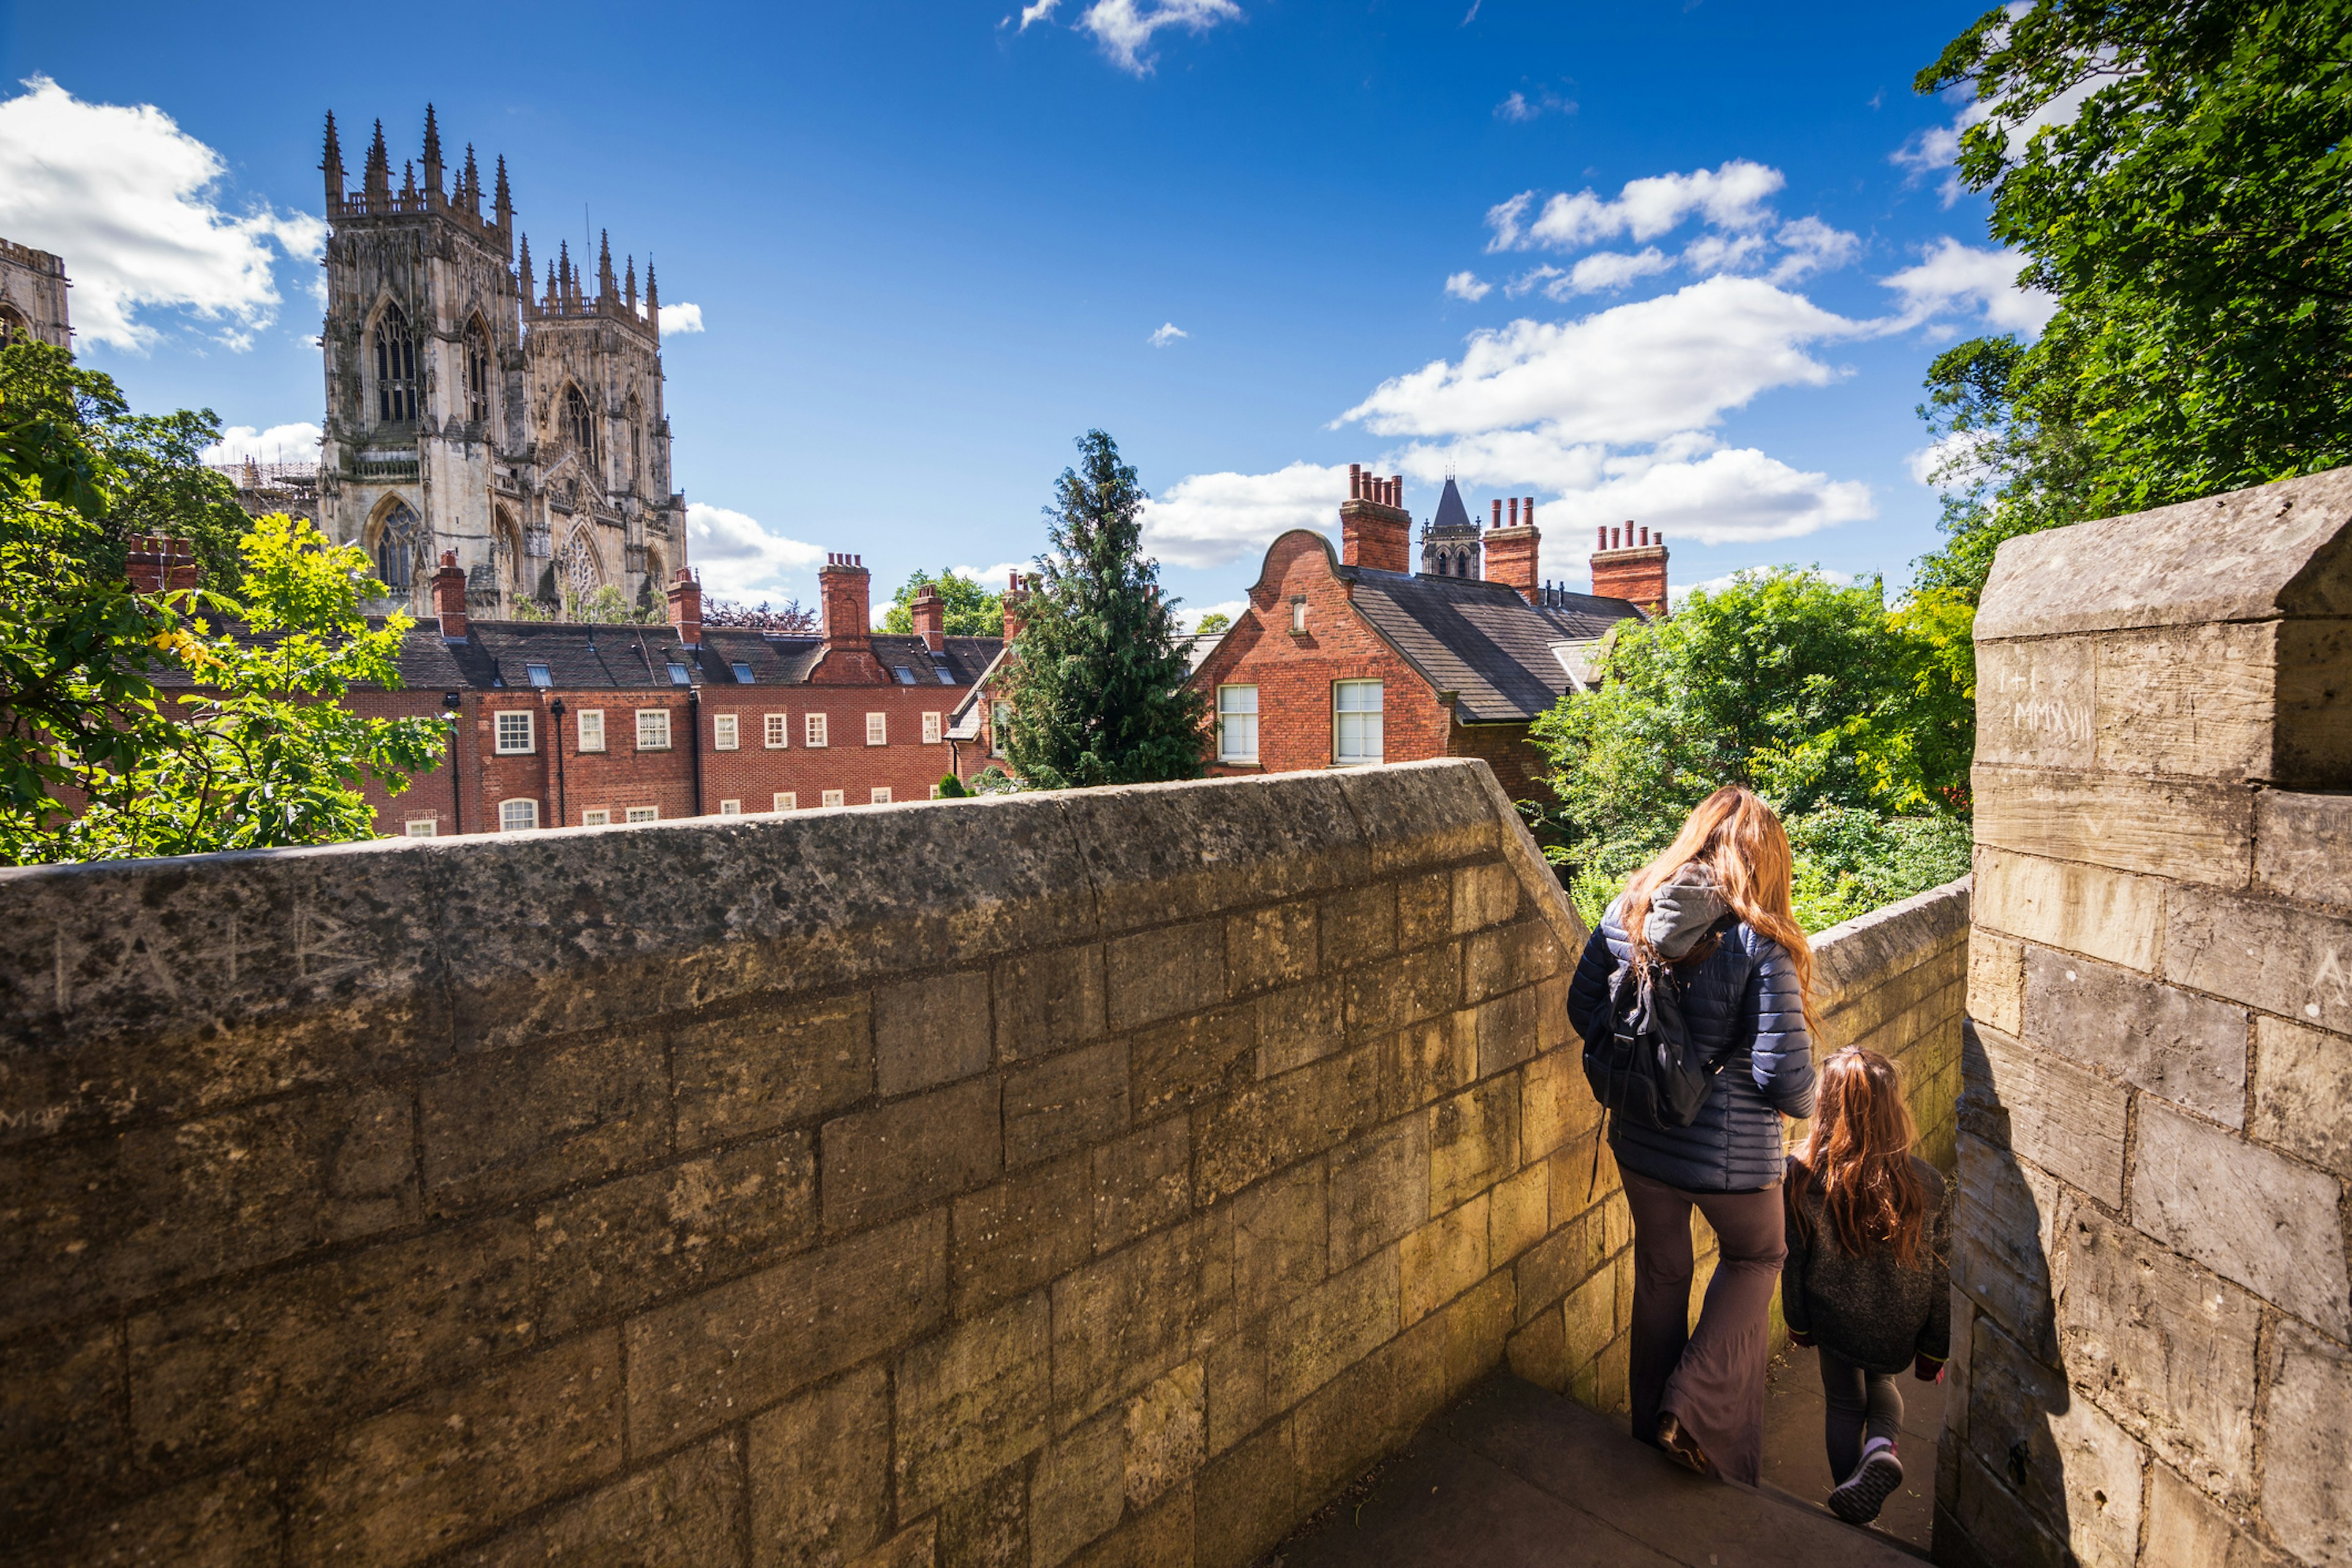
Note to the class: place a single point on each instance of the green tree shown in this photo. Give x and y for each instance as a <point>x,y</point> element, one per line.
<point>2193,216</point>
<point>1097,685</point>
<point>1212,623</point>
<point>156,478</point>
<point>971,610</point>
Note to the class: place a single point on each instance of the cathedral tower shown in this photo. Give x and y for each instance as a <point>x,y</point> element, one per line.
<point>462,416</point>
<point>1450,541</point>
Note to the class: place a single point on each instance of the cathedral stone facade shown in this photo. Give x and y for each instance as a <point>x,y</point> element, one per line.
<point>469,412</point>
<point>33,287</point>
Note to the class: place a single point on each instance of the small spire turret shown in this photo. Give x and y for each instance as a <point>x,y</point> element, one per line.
<point>470,185</point>
<point>523,271</point>
<point>331,165</point>
<point>378,178</point>
<point>554,299</point>
<point>564,273</point>
<point>605,288</point>
<point>631,296</point>
<point>432,152</point>
<point>408,178</point>
<point>653,299</point>
<point>503,203</point>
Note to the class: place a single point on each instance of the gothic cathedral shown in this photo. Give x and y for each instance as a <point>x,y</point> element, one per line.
<point>463,414</point>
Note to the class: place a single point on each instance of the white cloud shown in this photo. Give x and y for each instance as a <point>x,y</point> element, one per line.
<point>680,317</point>
<point>1636,372</point>
<point>1468,286</point>
<point>1730,495</point>
<point>1949,458</point>
<point>1214,520</point>
<point>1608,269</point>
<point>1125,28</point>
<point>296,443</point>
<point>1191,614</point>
<point>1954,278</point>
<point>996,578</point>
<point>1534,278</point>
<point>1042,11</point>
<point>1808,245</point>
<point>1519,108</point>
<point>1732,579</point>
<point>1166,333</point>
<point>1730,196</point>
<point>1938,146</point>
<point>130,200</point>
<point>739,558</point>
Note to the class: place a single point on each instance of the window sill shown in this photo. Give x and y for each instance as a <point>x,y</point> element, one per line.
<point>642,749</point>
<point>1239,763</point>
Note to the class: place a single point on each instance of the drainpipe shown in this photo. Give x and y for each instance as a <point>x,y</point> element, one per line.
<point>555,711</point>
<point>693,716</point>
<point>454,703</point>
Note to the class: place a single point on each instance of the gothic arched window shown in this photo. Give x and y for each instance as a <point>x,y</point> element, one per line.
<point>397,550</point>
<point>396,368</point>
<point>579,566</point>
<point>637,444</point>
<point>14,328</point>
<point>579,424</point>
<point>477,373</point>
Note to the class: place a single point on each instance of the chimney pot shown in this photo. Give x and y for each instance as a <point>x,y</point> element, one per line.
<point>1529,516</point>
<point>1355,481</point>
<point>1514,511</point>
<point>449,597</point>
<point>1499,515</point>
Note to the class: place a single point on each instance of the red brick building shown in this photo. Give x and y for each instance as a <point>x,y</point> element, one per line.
<point>576,724</point>
<point>1350,658</point>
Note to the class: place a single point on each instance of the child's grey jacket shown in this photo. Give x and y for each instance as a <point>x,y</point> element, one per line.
<point>1877,1313</point>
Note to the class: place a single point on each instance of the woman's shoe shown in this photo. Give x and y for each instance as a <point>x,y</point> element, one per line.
<point>1858,1498</point>
<point>1681,1446</point>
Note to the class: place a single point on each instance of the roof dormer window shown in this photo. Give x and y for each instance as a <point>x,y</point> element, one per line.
<point>678,675</point>
<point>540,675</point>
<point>742,671</point>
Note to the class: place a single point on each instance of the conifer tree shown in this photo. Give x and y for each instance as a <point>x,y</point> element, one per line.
<point>1096,681</point>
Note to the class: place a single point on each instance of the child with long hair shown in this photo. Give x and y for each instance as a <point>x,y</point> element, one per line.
<point>1714,910</point>
<point>1867,1283</point>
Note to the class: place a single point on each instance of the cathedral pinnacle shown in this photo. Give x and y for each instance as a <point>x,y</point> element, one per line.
<point>332,164</point>
<point>523,271</point>
<point>378,179</point>
<point>605,288</point>
<point>432,152</point>
<point>554,300</point>
<point>631,297</point>
<point>471,184</point>
<point>408,178</point>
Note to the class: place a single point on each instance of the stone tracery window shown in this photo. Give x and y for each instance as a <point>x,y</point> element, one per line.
<point>579,565</point>
<point>396,368</point>
<point>477,373</point>
<point>579,424</point>
<point>399,549</point>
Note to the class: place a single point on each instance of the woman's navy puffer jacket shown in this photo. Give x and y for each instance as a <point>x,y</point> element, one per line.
<point>1742,1004</point>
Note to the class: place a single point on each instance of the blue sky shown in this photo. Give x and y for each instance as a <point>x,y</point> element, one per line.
<point>1682,263</point>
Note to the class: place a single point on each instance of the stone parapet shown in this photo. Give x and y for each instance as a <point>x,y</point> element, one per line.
<point>2151,1282</point>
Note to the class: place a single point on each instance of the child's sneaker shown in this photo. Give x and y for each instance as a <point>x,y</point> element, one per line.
<point>1861,1495</point>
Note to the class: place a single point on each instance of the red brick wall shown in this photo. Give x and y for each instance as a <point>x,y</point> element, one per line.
<point>1294,673</point>
<point>1517,766</point>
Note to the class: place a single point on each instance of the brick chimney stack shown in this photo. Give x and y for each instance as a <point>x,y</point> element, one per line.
<point>686,607</point>
<point>1015,592</point>
<point>846,589</point>
<point>1511,552</point>
<point>1629,563</point>
<point>930,616</point>
<point>1375,530</point>
<point>158,564</point>
<point>449,597</point>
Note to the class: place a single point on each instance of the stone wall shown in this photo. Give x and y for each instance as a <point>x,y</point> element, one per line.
<point>1095,1178</point>
<point>2157,1124</point>
<point>1894,981</point>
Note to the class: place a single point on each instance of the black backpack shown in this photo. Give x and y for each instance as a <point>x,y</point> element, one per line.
<point>1638,1055</point>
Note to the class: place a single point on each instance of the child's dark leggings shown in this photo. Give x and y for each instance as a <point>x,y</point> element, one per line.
<point>1859,1403</point>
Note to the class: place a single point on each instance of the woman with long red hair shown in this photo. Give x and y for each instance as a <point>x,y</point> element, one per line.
<point>1709,923</point>
<point>1867,1283</point>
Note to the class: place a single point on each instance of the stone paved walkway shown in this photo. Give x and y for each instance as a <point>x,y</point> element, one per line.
<point>1795,1462</point>
<point>1513,1476</point>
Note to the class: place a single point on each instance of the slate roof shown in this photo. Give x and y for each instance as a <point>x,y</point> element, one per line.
<point>1482,639</point>
<point>1450,512</point>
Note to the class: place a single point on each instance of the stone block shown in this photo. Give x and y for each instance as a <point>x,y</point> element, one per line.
<point>1419,984</point>
<point>460,1460</point>
<point>1574,1250</point>
<point>2184,1525</point>
<point>916,1546</point>
<point>1048,1002</point>
<point>1997,982</point>
<point>2307,1445</point>
<point>881,1162</point>
<point>2188,832</point>
<point>1369,1409</point>
<point>2062,1456</point>
<point>1123,1319</point>
<point>1556,1104</point>
<point>1484,895</point>
<point>1378,1189</point>
<point>1443,1259</point>
<point>1359,925</point>
<point>698,1363</point>
<point>821,1475</point>
<point>688,1509</point>
<point>2190,1050</point>
<point>1474,1142</point>
<point>1272,946</point>
<point>2004,1228</point>
<point>1077,1099</point>
<point>1010,1238</point>
<point>763,1068</point>
<point>1159,1538</point>
<point>1424,908</point>
<point>1994,1529</point>
<point>61,1425</point>
<point>1518,1213</point>
<point>2166,1347</point>
<point>1166,1435</point>
<point>2303,1092</point>
<point>1246,1501</point>
<point>1300,1024</point>
<point>1280,1228</point>
<point>1552,1027</point>
<point>2303,847</point>
<point>988,1527</point>
<point>1428,1060</point>
<point>1188,1060</point>
<point>2245,1213</point>
<point>2292,961</point>
<point>1236,1393</point>
<point>1155,853</point>
<point>1078,1489</point>
<point>1419,814</point>
<point>2037,703</point>
<point>1538,1351</point>
<point>1589,1316</point>
<point>1163,973</point>
<point>929,1032</point>
<point>1506,1030</point>
<point>1508,957</point>
<point>1335,1325</point>
<point>2066,1120</point>
<point>970,1402</point>
<point>506,1124</point>
<point>1283,1121</point>
<point>1142,1182</point>
<point>2199,700</point>
<point>2090,910</point>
